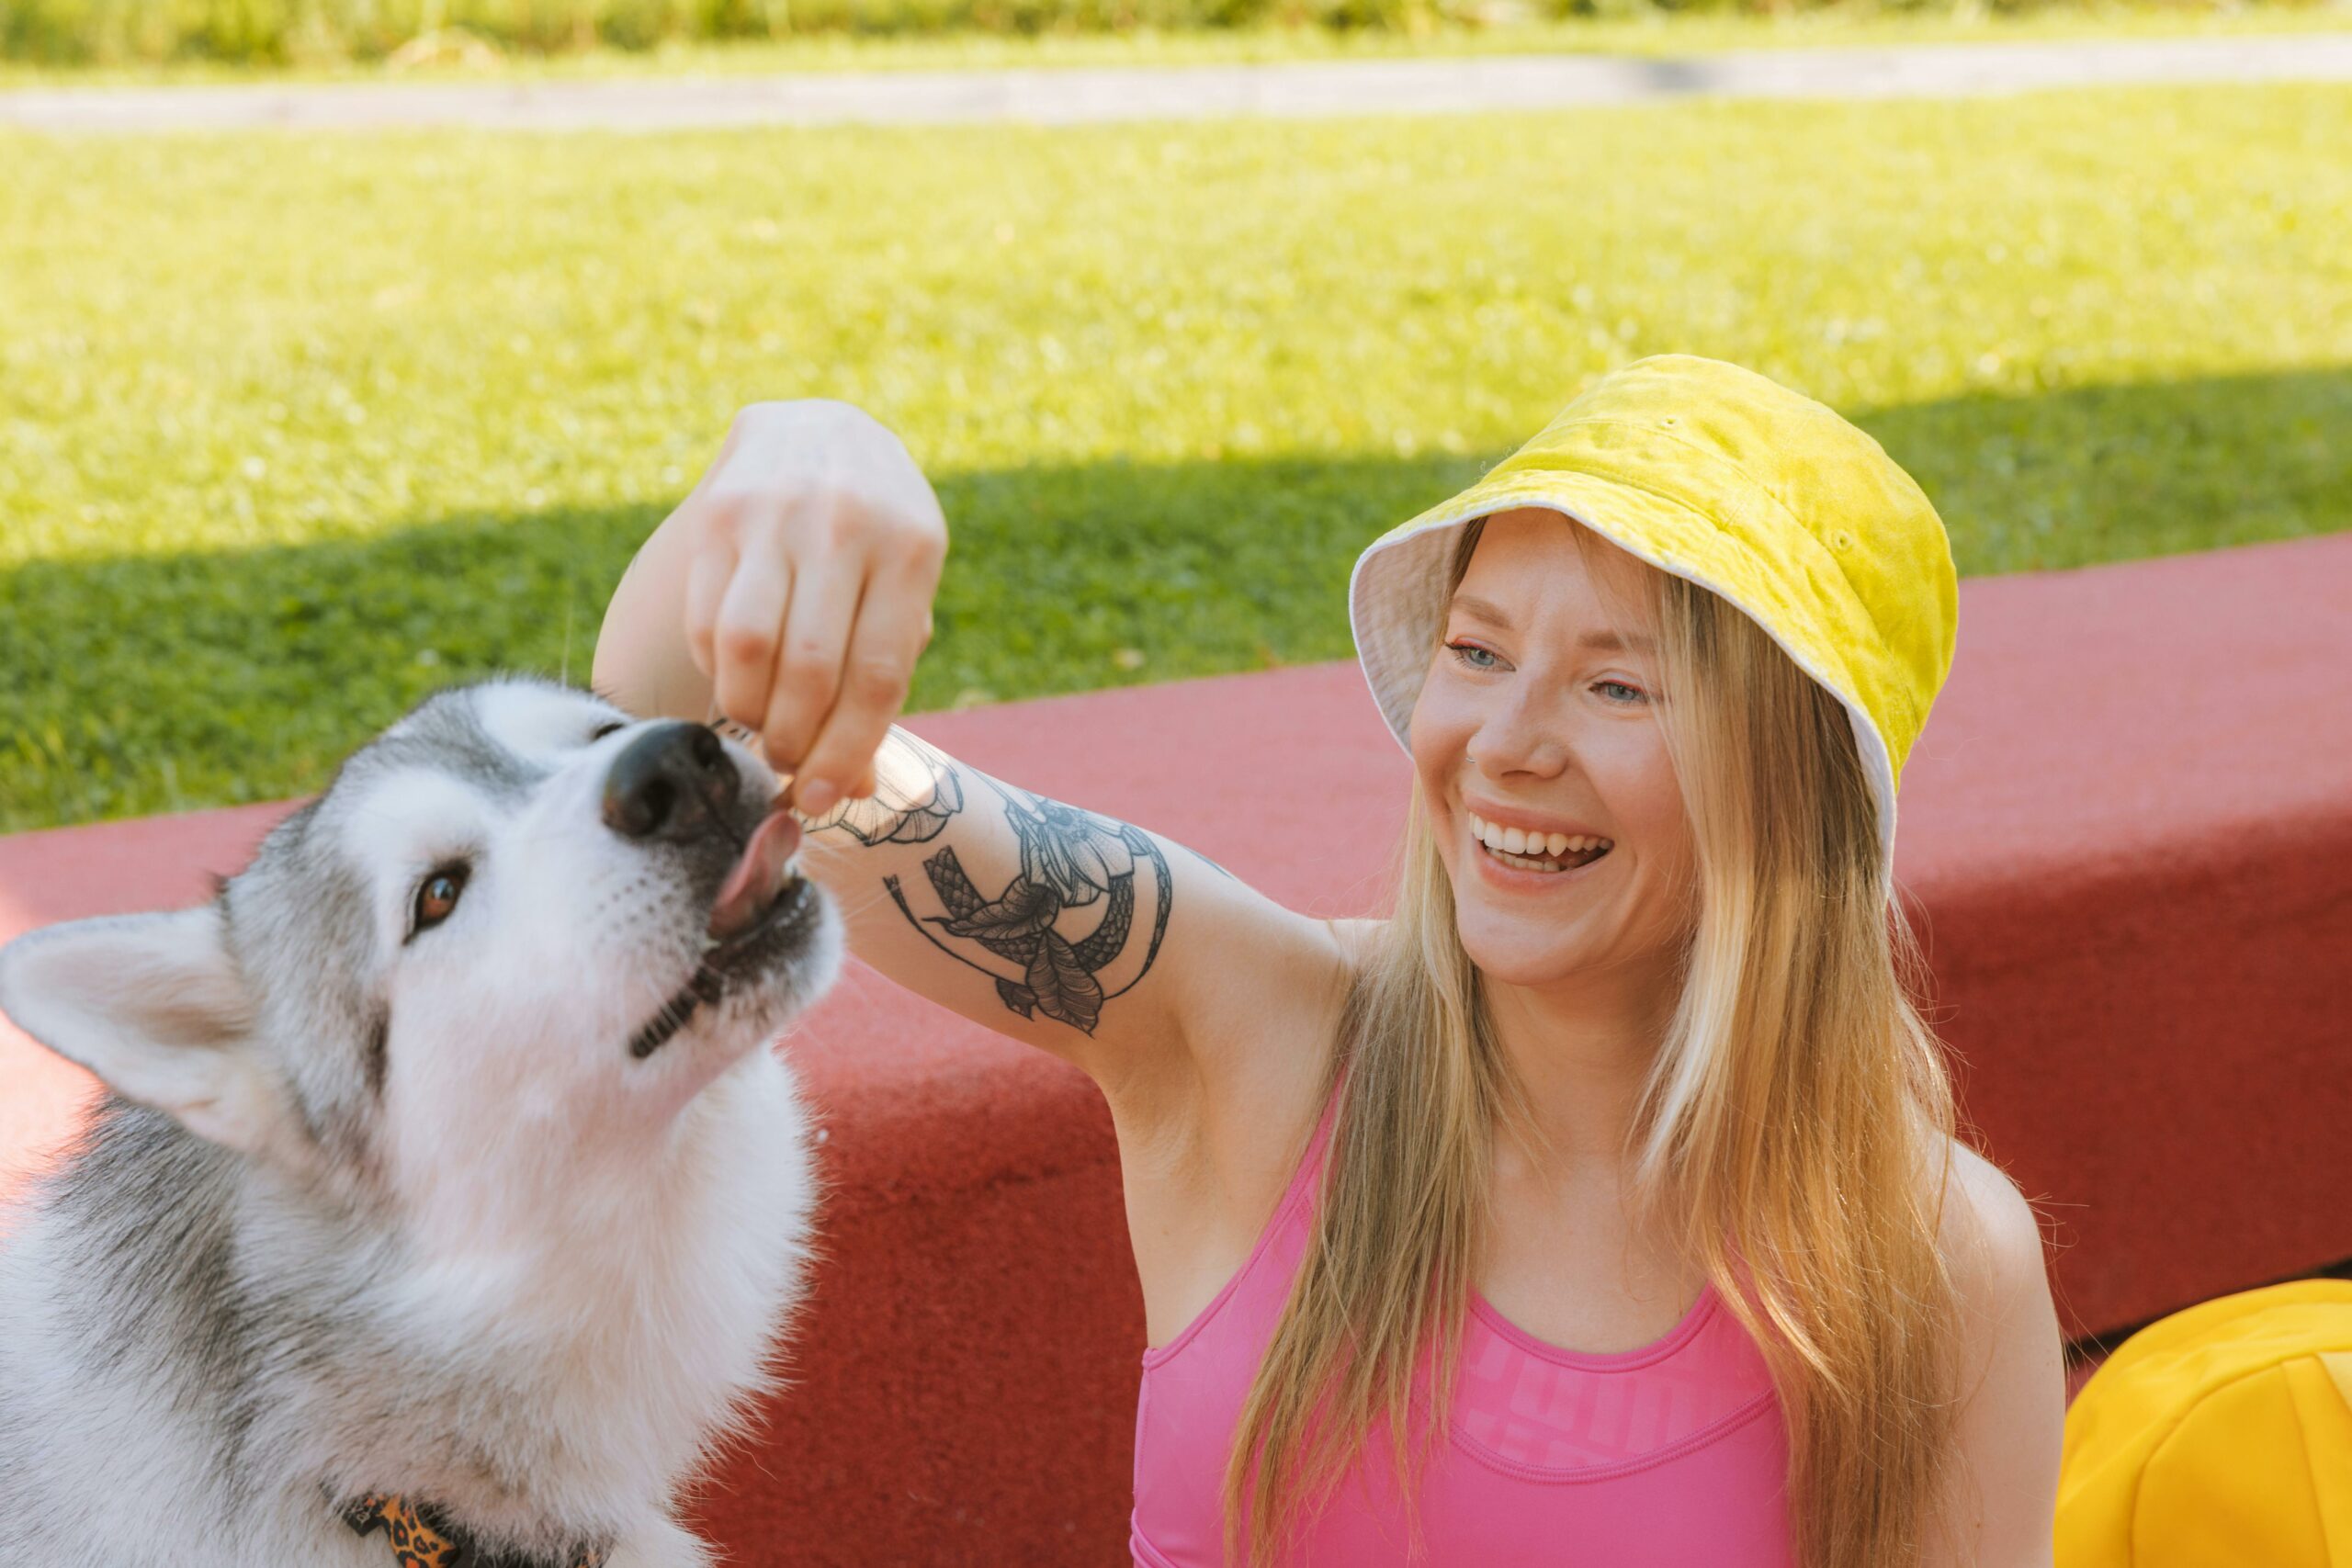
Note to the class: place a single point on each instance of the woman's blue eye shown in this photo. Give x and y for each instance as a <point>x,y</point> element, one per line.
<point>1464,651</point>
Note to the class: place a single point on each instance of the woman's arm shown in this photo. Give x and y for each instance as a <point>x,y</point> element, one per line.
<point>1105,943</point>
<point>790,593</point>
<point>2001,1496</point>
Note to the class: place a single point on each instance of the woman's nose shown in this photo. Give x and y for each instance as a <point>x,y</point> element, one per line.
<point>1525,736</point>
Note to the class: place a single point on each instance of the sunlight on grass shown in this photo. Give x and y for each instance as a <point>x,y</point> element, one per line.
<point>293,430</point>
<point>1642,31</point>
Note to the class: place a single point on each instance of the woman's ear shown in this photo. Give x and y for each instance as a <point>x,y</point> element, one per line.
<point>154,1006</point>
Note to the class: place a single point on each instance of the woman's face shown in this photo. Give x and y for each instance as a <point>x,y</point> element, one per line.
<point>1531,719</point>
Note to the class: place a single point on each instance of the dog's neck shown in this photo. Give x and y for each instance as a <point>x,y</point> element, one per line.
<point>546,1400</point>
<point>417,1532</point>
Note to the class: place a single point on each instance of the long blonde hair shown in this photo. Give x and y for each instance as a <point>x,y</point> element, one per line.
<point>1793,1131</point>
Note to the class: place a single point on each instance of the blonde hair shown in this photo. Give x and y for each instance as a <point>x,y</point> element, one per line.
<point>1793,1131</point>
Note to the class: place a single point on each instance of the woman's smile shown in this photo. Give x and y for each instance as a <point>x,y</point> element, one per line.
<point>1508,873</point>
<point>1531,858</point>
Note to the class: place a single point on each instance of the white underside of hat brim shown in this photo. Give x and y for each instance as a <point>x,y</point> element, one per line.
<point>1398,651</point>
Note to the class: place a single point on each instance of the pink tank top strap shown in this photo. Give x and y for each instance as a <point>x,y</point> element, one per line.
<point>1654,1458</point>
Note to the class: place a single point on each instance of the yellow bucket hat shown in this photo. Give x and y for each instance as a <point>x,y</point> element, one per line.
<point>1728,479</point>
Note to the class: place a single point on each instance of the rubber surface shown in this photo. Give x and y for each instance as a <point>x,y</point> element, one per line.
<point>2127,832</point>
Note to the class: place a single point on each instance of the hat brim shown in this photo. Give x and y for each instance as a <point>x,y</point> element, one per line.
<point>1396,598</point>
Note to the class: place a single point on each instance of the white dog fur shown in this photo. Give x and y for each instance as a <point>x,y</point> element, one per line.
<point>374,1212</point>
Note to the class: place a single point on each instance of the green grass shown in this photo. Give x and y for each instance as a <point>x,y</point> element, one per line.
<point>1643,32</point>
<point>292,430</point>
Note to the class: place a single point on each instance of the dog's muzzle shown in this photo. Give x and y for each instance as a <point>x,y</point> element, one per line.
<point>674,782</point>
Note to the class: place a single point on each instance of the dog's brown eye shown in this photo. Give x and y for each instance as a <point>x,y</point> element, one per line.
<point>437,898</point>
<point>604,730</point>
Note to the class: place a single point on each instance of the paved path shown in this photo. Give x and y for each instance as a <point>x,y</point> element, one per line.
<point>1079,95</point>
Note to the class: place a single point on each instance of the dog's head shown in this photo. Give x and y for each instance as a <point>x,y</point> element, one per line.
<point>519,933</point>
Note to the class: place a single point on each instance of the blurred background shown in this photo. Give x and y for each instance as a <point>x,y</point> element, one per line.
<point>297,426</point>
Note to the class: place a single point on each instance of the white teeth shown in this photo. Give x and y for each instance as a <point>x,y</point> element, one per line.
<point>1520,841</point>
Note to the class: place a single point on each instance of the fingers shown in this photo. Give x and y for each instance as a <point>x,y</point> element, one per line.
<point>816,632</point>
<point>818,549</point>
<point>751,622</point>
<point>706,579</point>
<point>890,631</point>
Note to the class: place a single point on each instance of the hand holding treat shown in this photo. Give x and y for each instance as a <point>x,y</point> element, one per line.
<point>807,556</point>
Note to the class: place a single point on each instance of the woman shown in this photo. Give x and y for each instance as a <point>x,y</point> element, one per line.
<point>1599,1205</point>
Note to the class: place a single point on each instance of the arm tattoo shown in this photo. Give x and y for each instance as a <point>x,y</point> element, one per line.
<point>1063,937</point>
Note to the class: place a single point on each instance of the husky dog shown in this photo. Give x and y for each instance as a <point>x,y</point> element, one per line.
<point>448,1196</point>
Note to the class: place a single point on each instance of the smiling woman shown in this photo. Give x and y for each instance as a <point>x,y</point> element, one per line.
<point>1687,1069</point>
<point>1618,1155</point>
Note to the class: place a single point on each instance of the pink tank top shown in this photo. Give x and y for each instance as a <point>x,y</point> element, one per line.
<point>1673,1454</point>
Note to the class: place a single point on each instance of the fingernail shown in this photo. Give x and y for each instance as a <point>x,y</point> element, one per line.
<point>817,796</point>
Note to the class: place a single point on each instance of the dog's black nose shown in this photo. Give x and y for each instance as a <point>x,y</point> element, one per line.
<point>670,783</point>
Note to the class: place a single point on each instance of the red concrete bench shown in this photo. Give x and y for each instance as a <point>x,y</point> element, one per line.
<point>2128,830</point>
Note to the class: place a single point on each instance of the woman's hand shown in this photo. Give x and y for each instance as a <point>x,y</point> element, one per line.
<point>813,548</point>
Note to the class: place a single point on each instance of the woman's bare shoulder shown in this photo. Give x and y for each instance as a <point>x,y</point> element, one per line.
<point>2001,1493</point>
<point>1989,1234</point>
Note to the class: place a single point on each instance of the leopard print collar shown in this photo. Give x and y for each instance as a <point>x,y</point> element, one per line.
<point>421,1537</point>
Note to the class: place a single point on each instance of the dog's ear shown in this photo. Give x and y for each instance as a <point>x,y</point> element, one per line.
<point>154,1005</point>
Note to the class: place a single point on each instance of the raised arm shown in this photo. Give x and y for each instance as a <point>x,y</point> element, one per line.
<point>789,595</point>
<point>1101,941</point>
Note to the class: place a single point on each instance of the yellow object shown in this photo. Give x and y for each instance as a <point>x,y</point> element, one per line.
<point>1728,479</point>
<point>2217,1437</point>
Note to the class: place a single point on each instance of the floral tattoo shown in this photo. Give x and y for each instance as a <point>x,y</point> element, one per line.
<point>1050,958</point>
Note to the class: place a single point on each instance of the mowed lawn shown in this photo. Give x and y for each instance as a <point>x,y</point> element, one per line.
<point>1641,30</point>
<point>293,430</point>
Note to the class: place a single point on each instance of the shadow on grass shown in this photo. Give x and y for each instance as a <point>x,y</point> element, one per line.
<point>151,683</point>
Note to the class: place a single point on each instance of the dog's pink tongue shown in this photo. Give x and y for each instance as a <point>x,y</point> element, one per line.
<point>753,886</point>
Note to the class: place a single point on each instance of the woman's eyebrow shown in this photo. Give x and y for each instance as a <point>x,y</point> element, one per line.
<point>1487,610</point>
<point>1484,610</point>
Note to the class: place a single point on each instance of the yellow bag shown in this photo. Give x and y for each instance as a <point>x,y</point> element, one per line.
<point>2219,1436</point>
